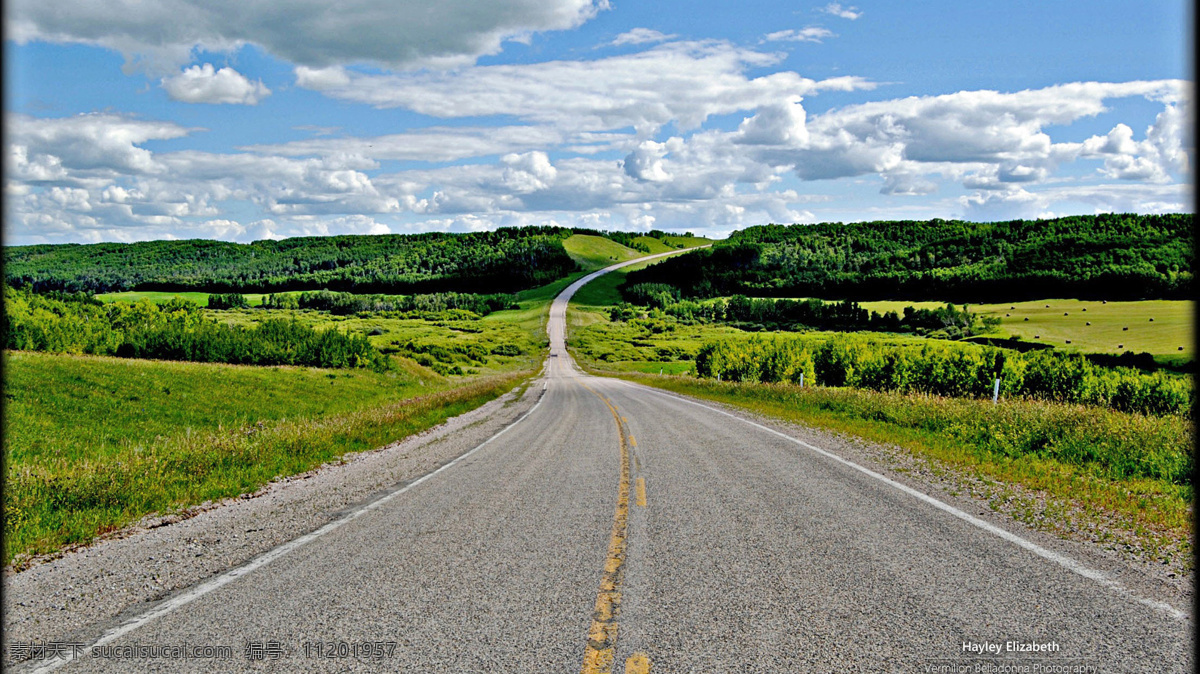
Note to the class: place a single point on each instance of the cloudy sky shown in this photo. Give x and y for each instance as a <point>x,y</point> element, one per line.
<point>247,119</point>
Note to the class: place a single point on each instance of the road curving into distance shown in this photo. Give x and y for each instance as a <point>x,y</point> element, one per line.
<point>615,527</point>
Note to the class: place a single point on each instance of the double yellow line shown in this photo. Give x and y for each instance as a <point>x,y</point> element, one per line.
<point>602,636</point>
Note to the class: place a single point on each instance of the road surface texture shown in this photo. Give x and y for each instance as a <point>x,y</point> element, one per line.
<point>613,527</point>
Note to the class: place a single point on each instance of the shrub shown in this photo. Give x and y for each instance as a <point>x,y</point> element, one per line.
<point>954,370</point>
<point>506,350</point>
<point>174,331</point>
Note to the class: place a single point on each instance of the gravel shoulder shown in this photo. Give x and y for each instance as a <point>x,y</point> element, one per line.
<point>72,597</point>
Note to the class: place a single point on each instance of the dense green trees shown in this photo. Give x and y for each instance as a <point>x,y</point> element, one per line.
<point>1111,256</point>
<point>505,260</point>
<point>227,301</point>
<point>772,314</point>
<point>174,330</point>
<point>432,303</point>
<point>501,261</point>
<point>958,370</point>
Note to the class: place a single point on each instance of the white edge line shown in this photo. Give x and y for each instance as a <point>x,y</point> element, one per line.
<point>1062,560</point>
<point>266,558</point>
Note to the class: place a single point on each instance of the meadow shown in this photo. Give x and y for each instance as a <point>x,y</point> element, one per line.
<point>1115,327</point>
<point>95,443</point>
<point>1159,327</point>
<point>160,297</point>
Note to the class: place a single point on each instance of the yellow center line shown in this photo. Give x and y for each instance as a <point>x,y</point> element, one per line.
<point>602,636</point>
<point>641,492</point>
<point>638,663</point>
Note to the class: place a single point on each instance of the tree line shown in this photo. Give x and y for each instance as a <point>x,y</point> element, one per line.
<point>424,304</point>
<point>174,330</point>
<point>505,260</point>
<point>945,369</point>
<point>814,314</point>
<point>1108,256</point>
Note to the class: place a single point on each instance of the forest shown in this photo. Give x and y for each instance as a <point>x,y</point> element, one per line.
<point>1109,256</point>
<point>345,304</point>
<point>505,260</point>
<point>502,261</point>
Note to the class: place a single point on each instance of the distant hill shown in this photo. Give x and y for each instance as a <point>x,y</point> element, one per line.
<point>1111,256</point>
<point>505,260</point>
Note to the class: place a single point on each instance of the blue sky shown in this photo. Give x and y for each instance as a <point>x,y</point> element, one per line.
<point>245,120</point>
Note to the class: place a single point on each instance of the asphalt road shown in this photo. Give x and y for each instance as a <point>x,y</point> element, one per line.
<point>616,527</point>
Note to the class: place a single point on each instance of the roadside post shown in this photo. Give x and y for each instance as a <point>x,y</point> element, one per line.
<point>996,392</point>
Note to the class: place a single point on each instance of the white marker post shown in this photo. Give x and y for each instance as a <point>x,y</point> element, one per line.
<point>801,380</point>
<point>996,393</point>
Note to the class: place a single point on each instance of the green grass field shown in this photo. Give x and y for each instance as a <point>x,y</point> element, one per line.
<point>1114,327</point>
<point>523,328</point>
<point>602,292</point>
<point>63,407</point>
<point>670,243</point>
<point>93,444</point>
<point>254,299</point>
<point>595,252</point>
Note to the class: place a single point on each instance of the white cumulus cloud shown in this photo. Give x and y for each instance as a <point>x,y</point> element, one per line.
<point>528,172</point>
<point>782,123</point>
<point>95,143</point>
<point>646,162</point>
<point>204,84</point>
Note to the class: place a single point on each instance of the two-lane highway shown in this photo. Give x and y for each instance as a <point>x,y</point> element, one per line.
<point>619,528</point>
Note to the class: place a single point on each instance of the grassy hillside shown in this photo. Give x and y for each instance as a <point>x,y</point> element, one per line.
<point>93,443</point>
<point>595,252</point>
<point>69,407</point>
